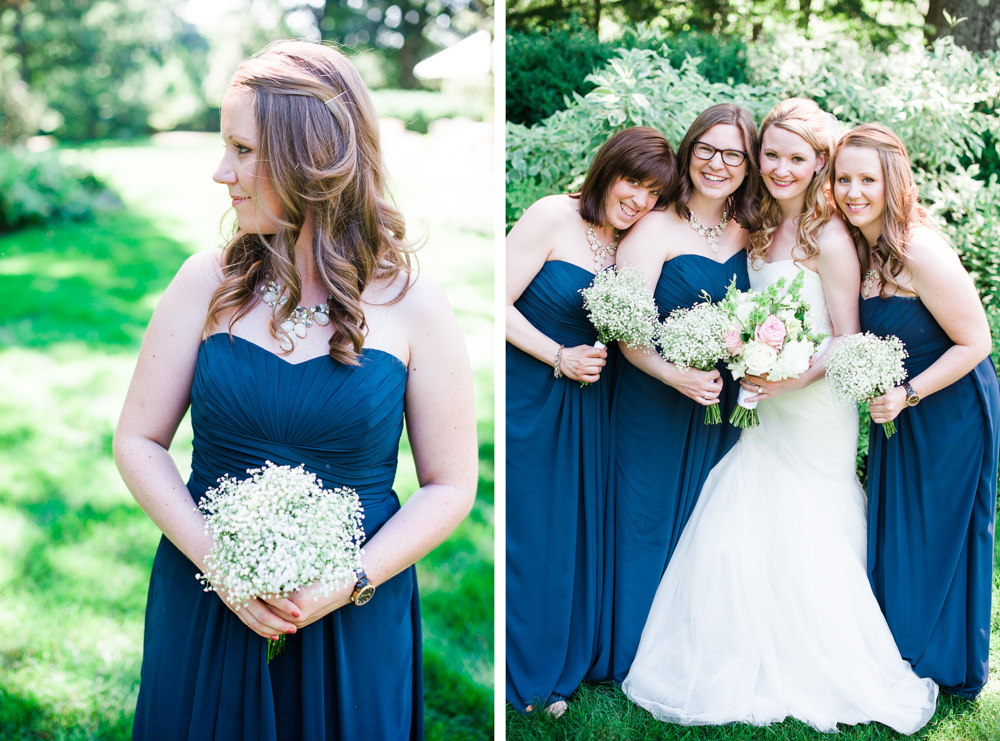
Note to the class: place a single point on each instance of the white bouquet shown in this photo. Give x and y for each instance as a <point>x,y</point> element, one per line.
<point>278,531</point>
<point>864,366</point>
<point>695,338</point>
<point>620,307</point>
<point>768,334</point>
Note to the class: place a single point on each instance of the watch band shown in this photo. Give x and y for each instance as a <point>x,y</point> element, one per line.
<point>364,590</point>
<point>912,398</point>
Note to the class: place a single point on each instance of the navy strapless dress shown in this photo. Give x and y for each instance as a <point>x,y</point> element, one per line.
<point>932,507</point>
<point>354,674</point>
<point>662,452</point>
<point>557,457</point>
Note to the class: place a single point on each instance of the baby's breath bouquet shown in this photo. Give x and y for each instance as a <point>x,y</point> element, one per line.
<point>694,338</point>
<point>768,334</point>
<point>277,531</point>
<point>620,307</point>
<point>864,366</point>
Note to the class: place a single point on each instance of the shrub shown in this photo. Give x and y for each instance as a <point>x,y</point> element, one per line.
<point>38,188</point>
<point>417,108</point>
<point>545,68</point>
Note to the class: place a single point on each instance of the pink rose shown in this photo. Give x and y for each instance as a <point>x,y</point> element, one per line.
<point>733,342</point>
<point>771,332</point>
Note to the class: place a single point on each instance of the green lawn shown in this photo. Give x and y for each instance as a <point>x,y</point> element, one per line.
<point>75,549</point>
<point>601,711</point>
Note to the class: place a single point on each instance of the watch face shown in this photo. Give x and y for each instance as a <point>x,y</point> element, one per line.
<point>364,594</point>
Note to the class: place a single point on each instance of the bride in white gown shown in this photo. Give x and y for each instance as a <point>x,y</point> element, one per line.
<point>765,610</point>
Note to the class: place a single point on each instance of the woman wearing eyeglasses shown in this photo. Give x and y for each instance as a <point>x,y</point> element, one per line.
<point>765,611</point>
<point>663,450</point>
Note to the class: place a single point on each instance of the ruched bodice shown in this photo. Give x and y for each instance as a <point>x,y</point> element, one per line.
<point>342,422</point>
<point>932,506</point>
<point>355,673</point>
<point>662,451</point>
<point>557,458</point>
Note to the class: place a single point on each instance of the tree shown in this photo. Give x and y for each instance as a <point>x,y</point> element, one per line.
<point>974,24</point>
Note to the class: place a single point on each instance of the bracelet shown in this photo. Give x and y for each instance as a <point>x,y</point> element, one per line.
<point>556,370</point>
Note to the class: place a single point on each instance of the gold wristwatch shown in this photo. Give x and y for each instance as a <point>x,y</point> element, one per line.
<point>911,395</point>
<point>364,590</point>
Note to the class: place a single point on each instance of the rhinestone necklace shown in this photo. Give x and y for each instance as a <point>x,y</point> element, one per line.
<point>711,233</point>
<point>868,281</point>
<point>301,319</point>
<point>601,251</point>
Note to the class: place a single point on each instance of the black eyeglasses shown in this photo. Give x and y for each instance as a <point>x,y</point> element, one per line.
<point>733,157</point>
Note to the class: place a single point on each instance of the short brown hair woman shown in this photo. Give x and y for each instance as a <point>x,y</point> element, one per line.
<point>931,486</point>
<point>302,342</point>
<point>557,430</point>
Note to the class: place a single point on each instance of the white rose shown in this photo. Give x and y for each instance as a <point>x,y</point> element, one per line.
<point>794,360</point>
<point>743,311</point>
<point>758,357</point>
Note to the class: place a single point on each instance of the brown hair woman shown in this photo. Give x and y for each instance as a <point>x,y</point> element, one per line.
<point>302,342</point>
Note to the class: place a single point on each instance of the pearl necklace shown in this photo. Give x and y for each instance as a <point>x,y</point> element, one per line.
<point>868,281</point>
<point>711,233</point>
<point>601,251</point>
<point>300,320</point>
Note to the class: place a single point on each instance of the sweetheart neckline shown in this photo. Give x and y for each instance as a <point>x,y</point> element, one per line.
<point>264,350</point>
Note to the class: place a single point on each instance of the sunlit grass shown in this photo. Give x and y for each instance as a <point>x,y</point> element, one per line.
<point>75,549</point>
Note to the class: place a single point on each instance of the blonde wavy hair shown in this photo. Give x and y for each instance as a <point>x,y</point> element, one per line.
<point>318,139</point>
<point>802,117</point>
<point>902,212</point>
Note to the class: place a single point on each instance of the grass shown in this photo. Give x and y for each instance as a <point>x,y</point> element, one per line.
<point>75,549</point>
<point>602,712</point>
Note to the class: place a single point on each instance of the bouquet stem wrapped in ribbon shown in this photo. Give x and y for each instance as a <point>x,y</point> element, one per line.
<point>864,366</point>
<point>768,334</point>
<point>277,531</point>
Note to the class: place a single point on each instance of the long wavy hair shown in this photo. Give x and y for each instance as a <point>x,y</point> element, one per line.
<point>638,152</point>
<point>318,142</point>
<point>742,204</point>
<point>802,117</point>
<point>902,212</point>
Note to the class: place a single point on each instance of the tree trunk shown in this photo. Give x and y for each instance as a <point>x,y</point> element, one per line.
<point>597,16</point>
<point>933,20</point>
<point>981,27</point>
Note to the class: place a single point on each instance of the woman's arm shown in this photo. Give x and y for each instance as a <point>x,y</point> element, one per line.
<point>529,245</point>
<point>647,247</point>
<point>157,399</point>
<point>838,268</point>
<point>938,278</point>
<point>441,427</point>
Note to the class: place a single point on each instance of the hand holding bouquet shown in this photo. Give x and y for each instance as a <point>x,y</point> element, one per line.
<point>695,338</point>
<point>620,307</point>
<point>767,334</point>
<point>278,531</point>
<point>864,366</point>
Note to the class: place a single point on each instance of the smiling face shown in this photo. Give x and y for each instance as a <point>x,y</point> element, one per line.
<point>859,189</point>
<point>627,201</point>
<point>713,179</point>
<point>788,164</point>
<point>256,209</point>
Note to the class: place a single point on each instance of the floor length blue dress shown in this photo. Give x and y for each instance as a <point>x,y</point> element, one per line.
<point>354,674</point>
<point>557,517</point>
<point>662,452</point>
<point>932,507</point>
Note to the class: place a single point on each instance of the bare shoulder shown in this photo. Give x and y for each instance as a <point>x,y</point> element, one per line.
<point>548,214</point>
<point>927,253</point>
<point>200,274</point>
<point>648,234</point>
<point>835,241</point>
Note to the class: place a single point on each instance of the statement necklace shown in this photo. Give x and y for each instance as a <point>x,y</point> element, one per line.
<point>711,233</point>
<point>300,320</point>
<point>601,251</point>
<point>868,281</point>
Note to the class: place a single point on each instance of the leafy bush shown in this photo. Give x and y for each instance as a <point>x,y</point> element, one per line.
<point>941,102</point>
<point>38,188</point>
<point>545,68</point>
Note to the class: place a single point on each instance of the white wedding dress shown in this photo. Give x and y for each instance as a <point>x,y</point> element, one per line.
<point>765,610</point>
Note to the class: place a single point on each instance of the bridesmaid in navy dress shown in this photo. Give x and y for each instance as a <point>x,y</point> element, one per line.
<point>317,244</point>
<point>557,429</point>
<point>662,449</point>
<point>931,486</point>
